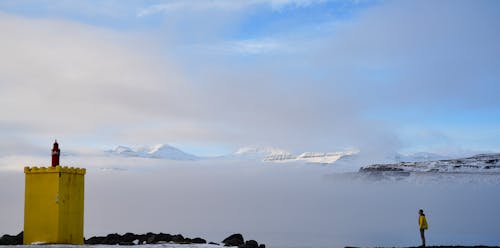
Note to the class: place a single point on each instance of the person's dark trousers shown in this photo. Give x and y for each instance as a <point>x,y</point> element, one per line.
<point>422,235</point>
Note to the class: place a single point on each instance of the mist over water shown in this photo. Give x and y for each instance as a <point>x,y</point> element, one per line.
<point>281,205</point>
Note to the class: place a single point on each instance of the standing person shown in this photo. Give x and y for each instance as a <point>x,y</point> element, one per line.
<point>422,223</point>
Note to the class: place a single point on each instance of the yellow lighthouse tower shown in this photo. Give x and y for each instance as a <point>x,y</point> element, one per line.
<point>54,200</point>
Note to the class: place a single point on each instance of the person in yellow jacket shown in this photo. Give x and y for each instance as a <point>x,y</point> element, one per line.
<point>422,223</point>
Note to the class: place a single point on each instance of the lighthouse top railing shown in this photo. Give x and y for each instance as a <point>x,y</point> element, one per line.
<point>55,169</point>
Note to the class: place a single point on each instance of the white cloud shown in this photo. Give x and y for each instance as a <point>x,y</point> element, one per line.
<point>76,82</point>
<point>245,47</point>
<point>64,77</point>
<point>303,92</point>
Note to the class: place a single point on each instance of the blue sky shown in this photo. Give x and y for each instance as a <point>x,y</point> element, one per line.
<point>211,76</point>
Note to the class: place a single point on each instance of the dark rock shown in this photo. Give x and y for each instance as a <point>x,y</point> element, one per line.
<point>112,239</point>
<point>95,241</point>
<point>12,240</point>
<point>213,243</point>
<point>379,168</point>
<point>151,239</point>
<point>198,241</point>
<point>116,239</point>
<point>178,239</point>
<point>126,243</point>
<point>20,237</point>
<point>129,237</point>
<point>148,238</point>
<point>251,244</point>
<point>234,240</point>
<point>165,237</point>
<point>142,238</point>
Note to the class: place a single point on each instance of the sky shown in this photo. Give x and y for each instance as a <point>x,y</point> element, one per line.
<point>212,76</point>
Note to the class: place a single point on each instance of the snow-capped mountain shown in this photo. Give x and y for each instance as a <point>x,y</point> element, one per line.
<point>325,158</point>
<point>260,153</point>
<point>482,163</point>
<point>281,156</point>
<point>264,154</point>
<point>161,151</point>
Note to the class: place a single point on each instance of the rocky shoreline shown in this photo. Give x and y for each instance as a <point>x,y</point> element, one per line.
<point>12,239</point>
<point>130,239</point>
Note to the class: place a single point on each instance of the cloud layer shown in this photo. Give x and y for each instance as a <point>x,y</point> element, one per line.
<point>319,86</point>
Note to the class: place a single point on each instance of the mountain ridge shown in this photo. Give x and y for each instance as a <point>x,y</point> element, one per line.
<point>159,151</point>
<point>484,163</point>
<point>408,162</point>
<point>263,154</point>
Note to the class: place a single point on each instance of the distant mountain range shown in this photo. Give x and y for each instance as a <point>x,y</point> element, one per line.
<point>265,154</point>
<point>160,151</point>
<point>486,163</point>
<point>271,155</point>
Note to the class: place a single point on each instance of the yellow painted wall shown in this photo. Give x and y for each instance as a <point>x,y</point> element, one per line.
<point>41,222</point>
<point>71,196</point>
<point>54,202</point>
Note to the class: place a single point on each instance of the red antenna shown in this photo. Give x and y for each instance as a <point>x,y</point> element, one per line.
<point>55,154</point>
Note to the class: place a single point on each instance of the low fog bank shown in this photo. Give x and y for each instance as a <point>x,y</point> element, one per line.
<point>282,205</point>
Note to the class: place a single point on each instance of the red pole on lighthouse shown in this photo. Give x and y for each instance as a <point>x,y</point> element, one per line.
<point>55,154</point>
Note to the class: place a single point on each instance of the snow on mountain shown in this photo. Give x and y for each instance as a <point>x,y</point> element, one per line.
<point>161,151</point>
<point>482,163</point>
<point>123,150</point>
<point>261,153</point>
<point>281,156</point>
<point>325,158</point>
<point>265,154</point>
